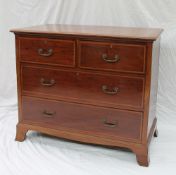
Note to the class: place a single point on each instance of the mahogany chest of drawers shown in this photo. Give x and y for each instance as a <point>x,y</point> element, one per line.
<point>90,84</point>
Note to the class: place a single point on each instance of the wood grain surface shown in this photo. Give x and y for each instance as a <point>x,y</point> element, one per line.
<point>102,31</point>
<point>89,83</point>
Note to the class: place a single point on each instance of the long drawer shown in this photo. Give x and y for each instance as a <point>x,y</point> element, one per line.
<point>47,51</point>
<point>119,57</point>
<point>83,87</point>
<point>97,121</point>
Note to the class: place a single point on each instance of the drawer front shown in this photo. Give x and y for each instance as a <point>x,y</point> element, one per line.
<point>47,51</point>
<point>112,56</point>
<point>106,90</point>
<point>97,121</point>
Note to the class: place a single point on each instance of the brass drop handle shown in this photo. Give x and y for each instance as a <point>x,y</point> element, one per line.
<point>110,91</point>
<point>47,83</point>
<point>110,60</point>
<point>110,124</point>
<point>49,114</point>
<point>45,52</point>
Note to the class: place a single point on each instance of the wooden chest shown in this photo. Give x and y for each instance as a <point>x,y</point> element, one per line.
<point>90,84</point>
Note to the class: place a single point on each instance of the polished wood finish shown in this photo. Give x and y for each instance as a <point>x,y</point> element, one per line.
<point>132,33</point>
<point>47,51</point>
<point>90,84</point>
<point>98,121</point>
<point>120,57</point>
<point>83,87</point>
<point>154,59</point>
<point>21,133</point>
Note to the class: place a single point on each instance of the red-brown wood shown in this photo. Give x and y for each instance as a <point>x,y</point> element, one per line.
<point>119,57</point>
<point>155,47</point>
<point>83,87</point>
<point>47,51</point>
<point>69,78</point>
<point>97,121</point>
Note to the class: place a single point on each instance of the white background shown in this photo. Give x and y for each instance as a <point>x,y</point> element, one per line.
<point>44,155</point>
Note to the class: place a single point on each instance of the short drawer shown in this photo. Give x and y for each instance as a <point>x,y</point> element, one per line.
<point>47,51</point>
<point>97,121</point>
<point>112,56</point>
<point>99,89</point>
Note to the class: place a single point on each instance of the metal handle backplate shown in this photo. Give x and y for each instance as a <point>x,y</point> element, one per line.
<point>45,52</point>
<point>110,91</point>
<point>111,60</point>
<point>48,83</point>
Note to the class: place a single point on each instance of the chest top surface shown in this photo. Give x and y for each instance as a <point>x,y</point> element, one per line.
<point>99,31</point>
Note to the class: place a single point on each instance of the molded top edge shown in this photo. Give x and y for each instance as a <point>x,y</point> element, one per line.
<point>96,31</point>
